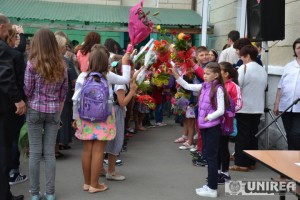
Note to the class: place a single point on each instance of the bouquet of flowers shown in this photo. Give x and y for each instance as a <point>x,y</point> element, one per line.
<point>183,53</point>
<point>179,105</point>
<point>144,86</point>
<point>161,48</point>
<point>146,100</point>
<point>160,79</point>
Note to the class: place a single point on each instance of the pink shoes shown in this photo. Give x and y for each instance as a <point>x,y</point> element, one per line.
<point>182,139</point>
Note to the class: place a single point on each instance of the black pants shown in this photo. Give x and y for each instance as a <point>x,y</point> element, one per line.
<point>224,155</point>
<point>291,123</point>
<point>211,139</point>
<point>247,126</point>
<point>16,124</point>
<point>5,154</point>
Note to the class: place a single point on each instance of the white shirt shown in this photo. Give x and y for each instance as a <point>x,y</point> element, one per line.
<point>196,88</point>
<point>229,55</point>
<point>253,84</point>
<point>112,78</point>
<point>290,87</point>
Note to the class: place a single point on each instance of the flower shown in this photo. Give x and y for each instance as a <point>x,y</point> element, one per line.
<point>146,100</point>
<point>158,27</point>
<point>180,36</point>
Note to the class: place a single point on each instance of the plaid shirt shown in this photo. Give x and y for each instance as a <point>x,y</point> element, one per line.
<point>44,97</point>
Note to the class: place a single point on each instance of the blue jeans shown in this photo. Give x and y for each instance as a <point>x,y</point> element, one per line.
<point>211,140</point>
<point>39,141</point>
<point>159,113</point>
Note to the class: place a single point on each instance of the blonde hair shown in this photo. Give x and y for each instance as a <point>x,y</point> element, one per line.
<point>61,41</point>
<point>46,56</point>
<point>12,33</point>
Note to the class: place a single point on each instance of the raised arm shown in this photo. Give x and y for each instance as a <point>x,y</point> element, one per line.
<point>184,84</point>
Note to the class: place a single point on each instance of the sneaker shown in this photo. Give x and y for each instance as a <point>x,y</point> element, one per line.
<point>115,177</point>
<point>49,196</point>
<point>194,149</point>
<point>36,197</point>
<point>150,125</point>
<point>222,178</point>
<point>195,155</point>
<point>160,124</point>
<point>200,163</point>
<point>118,162</point>
<point>205,191</point>
<point>17,178</point>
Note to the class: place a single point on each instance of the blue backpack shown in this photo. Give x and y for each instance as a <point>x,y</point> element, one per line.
<point>94,98</point>
<point>227,124</point>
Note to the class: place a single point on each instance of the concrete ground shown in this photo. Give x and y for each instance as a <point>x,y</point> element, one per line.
<point>154,167</point>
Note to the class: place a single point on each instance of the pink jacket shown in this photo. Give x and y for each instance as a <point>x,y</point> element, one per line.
<point>234,92</point>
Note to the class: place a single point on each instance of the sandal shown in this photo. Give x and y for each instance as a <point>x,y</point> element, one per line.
<point>94,190</point>
<point>182,139</point>
<point>239,168</point>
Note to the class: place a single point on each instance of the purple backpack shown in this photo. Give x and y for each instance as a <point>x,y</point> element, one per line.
<point>228,117</point>
<point>94,99</point>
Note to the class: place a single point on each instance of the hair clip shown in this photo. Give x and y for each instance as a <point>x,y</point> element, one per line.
<point>114,64</point>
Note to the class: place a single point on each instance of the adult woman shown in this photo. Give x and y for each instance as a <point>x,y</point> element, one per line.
<point>83,54</point>
<point>288,91</point>
<point>253,81</point>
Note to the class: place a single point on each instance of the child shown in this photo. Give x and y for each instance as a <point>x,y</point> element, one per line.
<point>122,96</point>
<point>229,75</point>
<point>95,135</point>
<point>211,109</point>
<point>46,87</point>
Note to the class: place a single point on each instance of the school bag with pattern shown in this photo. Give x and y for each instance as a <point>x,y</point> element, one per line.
<point>227,126</point>
<point>94,98</point>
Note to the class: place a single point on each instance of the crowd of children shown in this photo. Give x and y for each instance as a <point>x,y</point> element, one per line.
<point>52,96</point>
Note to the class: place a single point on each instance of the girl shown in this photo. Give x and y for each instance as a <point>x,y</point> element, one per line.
<point>122,96</point>
<point>46,86</point>
<point>90,40</point>
<point>213,55</point>
<point>95,135</point>
<point>229,75</point>
<point>211,108</point>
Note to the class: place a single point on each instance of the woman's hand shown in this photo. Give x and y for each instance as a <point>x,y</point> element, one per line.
<point>276,109</point>
<point>74,124</point>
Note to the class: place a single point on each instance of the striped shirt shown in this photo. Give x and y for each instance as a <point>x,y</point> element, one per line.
<point>44,97</point>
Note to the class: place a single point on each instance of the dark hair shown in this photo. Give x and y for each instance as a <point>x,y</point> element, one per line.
<point>258,44</point>
<point>215,53</point>
<point>294,46</point>
<point>3,19</point>
<point>98,59</point>
<point>215,68</point>
<point>240,43</point>
<point>251,50</point>
<point>234,35</point>
<point>90,39</point>
<point>227,67</point>
<point>113,46</point>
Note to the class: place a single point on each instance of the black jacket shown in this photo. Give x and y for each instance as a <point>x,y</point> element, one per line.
<point>9,92</point>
